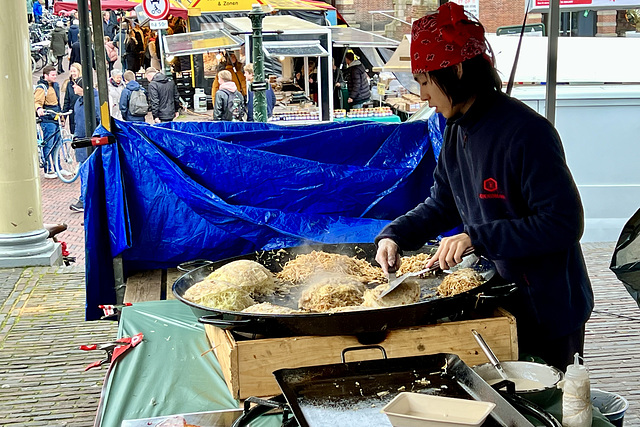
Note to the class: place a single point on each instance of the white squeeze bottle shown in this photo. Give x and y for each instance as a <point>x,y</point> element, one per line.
<point>576,398</point>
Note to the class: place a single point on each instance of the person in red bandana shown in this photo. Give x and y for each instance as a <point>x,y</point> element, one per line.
<point>502,175</point>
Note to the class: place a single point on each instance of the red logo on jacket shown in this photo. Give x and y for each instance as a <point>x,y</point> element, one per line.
<point>490,187</point>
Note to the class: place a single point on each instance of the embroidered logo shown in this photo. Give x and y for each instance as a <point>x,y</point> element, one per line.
<point>490,187</point>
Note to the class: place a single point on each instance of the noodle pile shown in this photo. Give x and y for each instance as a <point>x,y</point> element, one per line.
<point>331,292</point>
<point>268,308</point>
<point>218,294</point>
<point>459,281</point>
<point>414,263</point>
<point>298,270</point>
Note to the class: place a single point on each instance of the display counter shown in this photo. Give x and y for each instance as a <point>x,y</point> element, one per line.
<point>173,370</point>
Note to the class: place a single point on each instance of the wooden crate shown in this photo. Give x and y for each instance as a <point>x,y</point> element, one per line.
<point>248,365</point>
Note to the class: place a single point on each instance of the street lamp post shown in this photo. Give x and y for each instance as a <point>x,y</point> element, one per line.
<point>258,86</point>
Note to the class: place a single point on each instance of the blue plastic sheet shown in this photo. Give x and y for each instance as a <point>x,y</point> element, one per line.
<point>165,194</point>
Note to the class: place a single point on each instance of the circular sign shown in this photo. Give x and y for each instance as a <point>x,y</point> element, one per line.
<point>156,9</point>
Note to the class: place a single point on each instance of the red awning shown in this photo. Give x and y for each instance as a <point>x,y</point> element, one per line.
<point>71,5</point>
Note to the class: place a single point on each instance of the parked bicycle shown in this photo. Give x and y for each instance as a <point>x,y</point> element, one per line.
<point>39,55</point>
<point>63,156</point>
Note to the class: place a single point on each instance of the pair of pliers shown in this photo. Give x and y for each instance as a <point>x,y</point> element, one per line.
<point>114,349</point>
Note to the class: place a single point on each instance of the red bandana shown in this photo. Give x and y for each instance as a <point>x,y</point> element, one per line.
<point>445,38</point>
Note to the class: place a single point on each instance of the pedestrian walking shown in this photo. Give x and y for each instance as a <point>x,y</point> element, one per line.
<point>116,86</point>
<point>228,104</point>
<point>73,33</point>
<point>30,11</point>
<point>47,97</point>
<point>120,41</point>
<point>37,11</point>
<point>357,82</point>
<point>69,96</point>
<point>133,111</point>
<point>82,154</point>
<point>59,42</point>
<point>269,94</point>
<point>111,51</point>
<point>163,96</point>
<point>108,25</point>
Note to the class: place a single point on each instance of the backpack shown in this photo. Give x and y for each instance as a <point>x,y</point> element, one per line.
<point>235,107</point>
<point>138,105</point>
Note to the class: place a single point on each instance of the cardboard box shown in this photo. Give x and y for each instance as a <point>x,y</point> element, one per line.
<point>247,365</point>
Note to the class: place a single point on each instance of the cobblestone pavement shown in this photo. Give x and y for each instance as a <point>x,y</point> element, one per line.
<point>41,326</point>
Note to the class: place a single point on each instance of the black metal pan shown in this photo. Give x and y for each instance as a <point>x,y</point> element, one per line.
<point>427,311</point>
<point>353,393</point>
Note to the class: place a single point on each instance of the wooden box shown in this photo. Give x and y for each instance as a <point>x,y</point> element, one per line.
<point>247,365</point>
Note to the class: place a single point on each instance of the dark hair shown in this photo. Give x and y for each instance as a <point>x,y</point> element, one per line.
<point>350,56</point>
<point>478,76</point>
<point>46,70</point>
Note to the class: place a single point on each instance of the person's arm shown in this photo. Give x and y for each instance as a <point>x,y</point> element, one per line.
<point>124,103</point>
<point>214,87</point>
<point>176,100</point>
<point>39,100</point>
<point>218,106</point>
<point>555,218</point>
<point>154,101</point>
<point>66,99</point>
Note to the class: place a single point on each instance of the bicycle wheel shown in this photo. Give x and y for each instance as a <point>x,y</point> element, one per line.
<point>33,64</point>
<point>66,165</point>
<point>40,144</point>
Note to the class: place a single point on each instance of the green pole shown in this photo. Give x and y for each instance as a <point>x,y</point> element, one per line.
<point>258,86</point>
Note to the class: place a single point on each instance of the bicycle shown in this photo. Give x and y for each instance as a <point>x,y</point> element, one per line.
<point>63,156</point>
<point>39,55</point>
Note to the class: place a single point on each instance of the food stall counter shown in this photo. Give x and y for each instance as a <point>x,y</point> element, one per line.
<point>173,370</point>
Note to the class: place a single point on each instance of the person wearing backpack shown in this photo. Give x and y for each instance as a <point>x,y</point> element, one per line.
<point>229,102</point>
<point>133,110</point>
<point>163,96</point>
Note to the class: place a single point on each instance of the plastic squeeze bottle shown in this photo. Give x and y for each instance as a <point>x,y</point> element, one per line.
<point>576,398</point>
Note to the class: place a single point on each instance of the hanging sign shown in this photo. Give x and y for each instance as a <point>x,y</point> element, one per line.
<point>156,9</point>
<point>543,5</point>
<point>161,24</point>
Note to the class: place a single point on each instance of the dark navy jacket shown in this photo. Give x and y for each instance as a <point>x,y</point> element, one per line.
<point>271,102</point>
<point>124,102</point>
<point>78,110</point>
<point>74,32</point>
<point>502,174</point>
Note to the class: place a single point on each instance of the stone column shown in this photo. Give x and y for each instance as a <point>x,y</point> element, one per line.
<point>23,240</point>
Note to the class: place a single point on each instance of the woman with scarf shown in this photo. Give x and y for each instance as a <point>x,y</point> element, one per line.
<point>502,175</point>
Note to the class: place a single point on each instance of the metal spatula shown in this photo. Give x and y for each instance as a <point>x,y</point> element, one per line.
<point>395,282</point>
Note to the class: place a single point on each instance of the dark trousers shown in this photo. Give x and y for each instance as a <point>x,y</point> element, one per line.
<point>60,70</point>
<point>558,352</point>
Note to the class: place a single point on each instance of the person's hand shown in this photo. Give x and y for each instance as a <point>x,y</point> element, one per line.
<point>40,112</point>
<point>350,100</point>
<point>177,114</point>
<point>311,81</point>
<point>450,251</point>
<point>388,256</point>
<point>156,120</point>
<point>338,85</point>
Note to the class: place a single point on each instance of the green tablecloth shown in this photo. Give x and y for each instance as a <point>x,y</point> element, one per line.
<point>167,374</point>
<point>385,119</point>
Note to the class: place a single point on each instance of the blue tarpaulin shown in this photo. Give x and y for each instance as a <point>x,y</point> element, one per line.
<point>166,194</point>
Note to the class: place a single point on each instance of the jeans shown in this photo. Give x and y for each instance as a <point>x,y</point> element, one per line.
<point>52,138</point>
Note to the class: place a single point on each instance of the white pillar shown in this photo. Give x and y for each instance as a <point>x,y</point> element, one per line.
<point>23,240</point>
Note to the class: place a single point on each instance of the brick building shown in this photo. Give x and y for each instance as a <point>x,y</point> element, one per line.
<point>492,13</point>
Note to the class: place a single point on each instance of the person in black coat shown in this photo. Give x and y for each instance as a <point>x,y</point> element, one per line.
<point>163,96</point>
<point>357,82</point>
<point>108,25</point>
<point>503,176</point>
<point>69,95</point>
